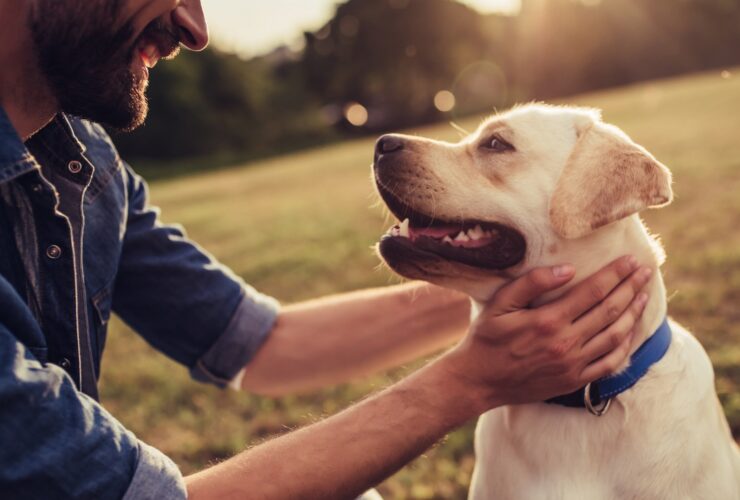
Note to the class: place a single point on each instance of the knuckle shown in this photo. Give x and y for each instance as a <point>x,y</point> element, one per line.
<point>559,349</point>
<point>624,267</point>
<point>615,339</point>
<point>597,291</point>
<point>547,323</point>
<point>612,312</point>
<point>636,283</point>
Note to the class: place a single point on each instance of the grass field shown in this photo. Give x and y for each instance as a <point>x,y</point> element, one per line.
<point>302,225</point>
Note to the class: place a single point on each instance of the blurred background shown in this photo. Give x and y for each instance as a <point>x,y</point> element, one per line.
<point>261,147</point>
<point>288,74</point>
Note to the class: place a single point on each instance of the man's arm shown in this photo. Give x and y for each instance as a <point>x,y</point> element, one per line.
<point>512,355</point>
<point>57,442</point>
<point>350,452</point>
<point>335,339</point>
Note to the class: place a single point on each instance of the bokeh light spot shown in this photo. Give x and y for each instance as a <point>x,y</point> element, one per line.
<point>356,114</point>
<point>444,100</point>
<point>481,85</point>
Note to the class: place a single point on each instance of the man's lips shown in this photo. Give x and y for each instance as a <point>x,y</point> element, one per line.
<point>149,54</point>
<point>155,43</point>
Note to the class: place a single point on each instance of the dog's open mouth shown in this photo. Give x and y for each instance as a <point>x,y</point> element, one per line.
<point>488,245</point>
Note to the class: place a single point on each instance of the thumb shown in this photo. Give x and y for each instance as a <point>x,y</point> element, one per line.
<point>523,291</point>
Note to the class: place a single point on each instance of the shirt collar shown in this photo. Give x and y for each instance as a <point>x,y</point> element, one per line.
<point>14,156</point>
<point>16,159</point>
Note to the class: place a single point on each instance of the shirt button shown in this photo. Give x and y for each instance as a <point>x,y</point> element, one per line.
<point>74,166</point>
<point>65,364</point>
<point>53,252</point>
<point>36,188</point>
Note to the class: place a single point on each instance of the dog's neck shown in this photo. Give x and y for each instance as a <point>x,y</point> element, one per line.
<point>589,254</point>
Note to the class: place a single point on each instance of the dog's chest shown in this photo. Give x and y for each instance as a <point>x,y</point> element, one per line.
<point>656,436</point>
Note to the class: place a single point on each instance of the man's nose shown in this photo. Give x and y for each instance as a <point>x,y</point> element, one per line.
<point>190,21</point>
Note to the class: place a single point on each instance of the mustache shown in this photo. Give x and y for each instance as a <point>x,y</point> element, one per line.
<point>163,37</point>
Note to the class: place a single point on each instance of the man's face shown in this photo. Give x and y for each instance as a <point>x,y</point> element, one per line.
<point>95,54</point>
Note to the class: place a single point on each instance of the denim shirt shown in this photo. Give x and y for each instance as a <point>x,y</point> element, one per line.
<point>78,240</point>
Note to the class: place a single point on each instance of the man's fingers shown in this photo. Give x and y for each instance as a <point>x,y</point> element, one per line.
<point>596,288</point>
<point>609,363</point>
<point>521,292</point>
<point>612,308</point>
<point>614,336</point>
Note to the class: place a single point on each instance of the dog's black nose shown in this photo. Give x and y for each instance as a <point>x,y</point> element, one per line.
<point>388,144</point>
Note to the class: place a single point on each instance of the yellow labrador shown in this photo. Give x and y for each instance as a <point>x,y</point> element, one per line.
<point>537,186</point>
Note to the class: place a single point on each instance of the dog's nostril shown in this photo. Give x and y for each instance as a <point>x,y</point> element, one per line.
<point>388,144</point>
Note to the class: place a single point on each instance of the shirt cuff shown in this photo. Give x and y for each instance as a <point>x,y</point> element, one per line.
<point>156,477</point>
<point>247,331</point>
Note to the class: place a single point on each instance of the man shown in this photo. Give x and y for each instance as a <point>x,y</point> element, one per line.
<point>78,239</point>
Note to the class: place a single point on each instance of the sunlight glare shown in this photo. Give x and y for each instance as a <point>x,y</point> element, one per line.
<point>497,6</point>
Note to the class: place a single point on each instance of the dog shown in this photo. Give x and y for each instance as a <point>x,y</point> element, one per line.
<point>538,186</point>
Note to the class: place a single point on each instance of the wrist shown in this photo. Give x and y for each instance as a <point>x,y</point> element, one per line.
<point>472,396</point>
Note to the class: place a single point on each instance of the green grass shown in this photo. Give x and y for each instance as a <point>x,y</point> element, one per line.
<point>302,225</point>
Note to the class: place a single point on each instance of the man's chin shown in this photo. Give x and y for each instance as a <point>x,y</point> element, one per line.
<point>125,115</point>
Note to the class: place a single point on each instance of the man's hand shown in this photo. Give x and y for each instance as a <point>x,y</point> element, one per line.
<point>514,354</point>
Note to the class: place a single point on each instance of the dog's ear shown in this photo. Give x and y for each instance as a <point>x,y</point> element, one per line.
<point>607,177</point>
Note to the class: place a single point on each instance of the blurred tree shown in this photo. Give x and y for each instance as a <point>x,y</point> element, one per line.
<point>394,56</point>
<point>215,104</point>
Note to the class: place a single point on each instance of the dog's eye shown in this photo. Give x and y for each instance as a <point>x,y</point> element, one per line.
<point>497,144</point>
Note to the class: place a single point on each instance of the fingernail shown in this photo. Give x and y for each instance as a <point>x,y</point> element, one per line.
<point>642,299</point>
<point>562,271</point>
<point>632,261</point>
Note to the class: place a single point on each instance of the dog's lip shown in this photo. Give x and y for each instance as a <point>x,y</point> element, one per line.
<point>419,220</point>
<point>403,211</point>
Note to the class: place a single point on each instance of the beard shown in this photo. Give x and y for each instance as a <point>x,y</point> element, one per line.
<point>88,64</point>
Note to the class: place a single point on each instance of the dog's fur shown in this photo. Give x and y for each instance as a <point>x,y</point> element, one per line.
<point>572,187</point>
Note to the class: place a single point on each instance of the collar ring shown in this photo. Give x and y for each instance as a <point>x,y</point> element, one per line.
<point>599,409</point>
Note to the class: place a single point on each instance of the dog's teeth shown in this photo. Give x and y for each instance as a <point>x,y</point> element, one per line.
<point>462,237</point>
<point>476,233</point>
<point>447,239</point>
<point>404,228</point>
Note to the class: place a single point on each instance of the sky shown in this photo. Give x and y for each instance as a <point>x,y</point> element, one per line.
<point>252,27</point>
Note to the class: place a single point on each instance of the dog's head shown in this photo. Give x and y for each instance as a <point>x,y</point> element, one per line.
<point>480,212</point>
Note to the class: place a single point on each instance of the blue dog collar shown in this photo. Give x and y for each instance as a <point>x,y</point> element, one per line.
<point>597,395</point>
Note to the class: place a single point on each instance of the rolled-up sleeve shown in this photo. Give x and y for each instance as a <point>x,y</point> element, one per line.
<point>156,477</point>
<point>58,443</point>
<point>182,301</point>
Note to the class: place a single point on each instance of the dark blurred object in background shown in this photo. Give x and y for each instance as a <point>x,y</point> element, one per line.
<point>386,64</point>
